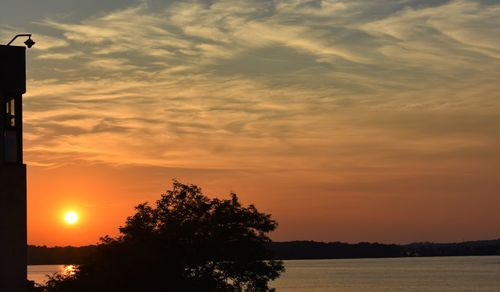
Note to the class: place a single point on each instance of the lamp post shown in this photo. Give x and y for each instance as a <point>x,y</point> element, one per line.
<point>29,42</point>
<point>13,243</point>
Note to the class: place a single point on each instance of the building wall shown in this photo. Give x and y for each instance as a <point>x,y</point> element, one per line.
<point>13,242</point>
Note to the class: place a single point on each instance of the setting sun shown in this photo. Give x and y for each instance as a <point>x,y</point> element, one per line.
<point>71,218</point>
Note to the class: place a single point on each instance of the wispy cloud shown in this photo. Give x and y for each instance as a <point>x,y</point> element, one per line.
<point>368,117</point>
<point>290,82</point>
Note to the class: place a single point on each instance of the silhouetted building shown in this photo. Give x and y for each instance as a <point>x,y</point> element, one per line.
<point>13,269</point>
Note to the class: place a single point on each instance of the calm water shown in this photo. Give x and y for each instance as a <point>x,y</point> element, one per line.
<point>401,274</point>
<point>39,273</point>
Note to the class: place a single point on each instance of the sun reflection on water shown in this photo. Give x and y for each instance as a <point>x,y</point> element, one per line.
<point>68,270</point>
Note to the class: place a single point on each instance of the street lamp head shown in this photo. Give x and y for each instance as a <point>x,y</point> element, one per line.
<point>29,42</point>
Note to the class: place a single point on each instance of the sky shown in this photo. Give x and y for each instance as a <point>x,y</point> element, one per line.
<point>347,120</point>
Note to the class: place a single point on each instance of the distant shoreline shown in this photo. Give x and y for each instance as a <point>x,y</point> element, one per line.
<point>322,259</point>
<point>303,250</point>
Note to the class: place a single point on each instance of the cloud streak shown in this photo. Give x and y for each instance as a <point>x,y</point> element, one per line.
<point>346,95</point>
<point>175,64</point>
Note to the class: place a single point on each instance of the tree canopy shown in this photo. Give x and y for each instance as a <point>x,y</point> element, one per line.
<point>186,242</point>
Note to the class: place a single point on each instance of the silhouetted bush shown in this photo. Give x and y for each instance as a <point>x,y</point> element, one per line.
<point>187,242</point>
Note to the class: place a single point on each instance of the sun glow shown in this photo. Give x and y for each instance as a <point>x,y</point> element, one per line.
<point>71,218</point>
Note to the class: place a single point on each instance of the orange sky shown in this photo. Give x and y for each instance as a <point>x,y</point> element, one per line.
<point>347,120</point>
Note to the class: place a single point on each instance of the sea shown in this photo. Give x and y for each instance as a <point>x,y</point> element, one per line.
<point>472,273</point>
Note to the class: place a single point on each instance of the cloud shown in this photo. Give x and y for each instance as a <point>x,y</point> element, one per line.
<point>468,25</point>
<point>365,111</point>
<point>265,84</point>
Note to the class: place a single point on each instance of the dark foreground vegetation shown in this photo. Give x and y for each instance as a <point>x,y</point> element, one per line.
<point>292,250</point>
<point>186,242</point>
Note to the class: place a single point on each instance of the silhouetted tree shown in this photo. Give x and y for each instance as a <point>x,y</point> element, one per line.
<point>187,242</point>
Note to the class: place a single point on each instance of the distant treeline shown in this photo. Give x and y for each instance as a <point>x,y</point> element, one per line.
<point>339,250</point>
<point>42,255</point>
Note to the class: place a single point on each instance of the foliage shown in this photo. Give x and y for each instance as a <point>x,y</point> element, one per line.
<point>187,242</point>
